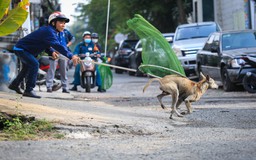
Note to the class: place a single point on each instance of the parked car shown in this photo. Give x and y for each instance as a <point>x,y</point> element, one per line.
<point>169,37</point>
<point>224,56</point>
<point>188,39</point>
<point>136,59</point>
<point>122,56</point>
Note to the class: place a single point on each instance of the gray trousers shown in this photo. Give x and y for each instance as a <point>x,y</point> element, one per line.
<point>63,73</point>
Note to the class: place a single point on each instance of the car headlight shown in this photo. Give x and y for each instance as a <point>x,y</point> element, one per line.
<point>177,51</point>
<point>88,61</point>
<point>236,63</point>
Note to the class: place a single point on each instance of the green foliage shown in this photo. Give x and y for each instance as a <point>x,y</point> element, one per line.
<point>4,4</point>
<point>162,14</point>
<point>19,128</point>
<point>14,19</point>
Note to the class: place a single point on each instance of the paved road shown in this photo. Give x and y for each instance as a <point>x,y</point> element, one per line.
<point>125,123</point>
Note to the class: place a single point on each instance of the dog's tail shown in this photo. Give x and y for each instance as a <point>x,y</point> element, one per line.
<point>150,81</point>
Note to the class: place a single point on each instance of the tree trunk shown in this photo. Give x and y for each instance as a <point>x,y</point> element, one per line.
<point>181,11</point>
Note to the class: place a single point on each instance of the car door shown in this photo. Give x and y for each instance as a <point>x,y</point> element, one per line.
<point>213,58</point>
<point>203,54</point>
<point>208,56</point>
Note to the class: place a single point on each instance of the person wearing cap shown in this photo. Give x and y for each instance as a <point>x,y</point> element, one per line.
<point>97,46</point>
<point>83,47</point>
<point>66,39</point>
<point>29,47</point>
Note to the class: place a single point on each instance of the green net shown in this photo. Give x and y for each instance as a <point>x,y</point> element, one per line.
<point>106,76</point>
<point>158,58</point>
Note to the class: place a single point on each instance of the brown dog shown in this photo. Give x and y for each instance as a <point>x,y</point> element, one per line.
<point>182,89</point>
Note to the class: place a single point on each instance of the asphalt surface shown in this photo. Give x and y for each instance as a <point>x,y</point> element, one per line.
<point>125,123</point>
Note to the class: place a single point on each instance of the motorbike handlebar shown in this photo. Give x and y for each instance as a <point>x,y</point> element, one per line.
<point>82,55</point>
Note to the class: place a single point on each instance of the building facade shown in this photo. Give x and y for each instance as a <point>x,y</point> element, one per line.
<point>230,14</point>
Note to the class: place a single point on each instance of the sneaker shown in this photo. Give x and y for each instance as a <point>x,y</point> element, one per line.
<point>49,90</point>
<point>74,88</point>
<point>15,88</point>
<point>65,91</point>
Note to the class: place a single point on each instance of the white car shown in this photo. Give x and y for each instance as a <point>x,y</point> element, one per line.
<point>188,39</point>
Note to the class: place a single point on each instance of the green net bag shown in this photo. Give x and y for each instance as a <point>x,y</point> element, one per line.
<point>158,58</point>
<point>106,76</point>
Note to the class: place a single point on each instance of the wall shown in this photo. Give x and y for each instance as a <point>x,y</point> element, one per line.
<point>230,14</point>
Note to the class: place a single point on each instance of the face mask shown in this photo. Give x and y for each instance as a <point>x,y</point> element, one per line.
<point>94,40</point>
<point>87,40</point>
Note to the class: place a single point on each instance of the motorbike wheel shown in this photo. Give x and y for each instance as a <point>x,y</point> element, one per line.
<point>249,84</point>
<point>88,84</point>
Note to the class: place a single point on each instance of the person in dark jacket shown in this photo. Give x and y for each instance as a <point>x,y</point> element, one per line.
<point>30,46</point>
<point>95,40</point>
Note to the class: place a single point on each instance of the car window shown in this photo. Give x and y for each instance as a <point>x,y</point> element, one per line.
<point>208,43</point>
<point>216,41</point>
<point>129,44</point>
<point>195,32</point>
<point>140,45</point>
<point>238,40</point>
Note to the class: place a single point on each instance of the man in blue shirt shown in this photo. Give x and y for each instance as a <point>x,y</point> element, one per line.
<point>30,46</point>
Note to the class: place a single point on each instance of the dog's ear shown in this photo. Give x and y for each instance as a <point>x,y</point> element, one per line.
<point>202,76</point>
<point>207,77</point>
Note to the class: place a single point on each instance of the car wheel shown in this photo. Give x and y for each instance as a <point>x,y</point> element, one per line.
<point>227,84</point>
<point>131,73</point>
<point>132,64</point>
<point>118,71</point>
<point>249,84</point>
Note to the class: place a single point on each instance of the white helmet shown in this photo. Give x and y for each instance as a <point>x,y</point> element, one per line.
<point>86,33</point>
<point>57,16</point>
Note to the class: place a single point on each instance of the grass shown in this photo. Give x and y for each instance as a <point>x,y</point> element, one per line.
<point>18,127</point>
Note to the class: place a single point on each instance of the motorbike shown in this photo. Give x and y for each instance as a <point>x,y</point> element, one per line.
<point>249,80</point>
<point>88,71</point>
<point>44,65</point>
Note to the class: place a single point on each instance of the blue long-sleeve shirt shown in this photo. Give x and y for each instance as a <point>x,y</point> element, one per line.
<point>81,48</point>
<point>42,40</point>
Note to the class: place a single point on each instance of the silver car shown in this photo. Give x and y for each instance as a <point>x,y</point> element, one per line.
<point>188,39</point>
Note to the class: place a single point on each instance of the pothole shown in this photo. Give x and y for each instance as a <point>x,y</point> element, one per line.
<point>87,131</point>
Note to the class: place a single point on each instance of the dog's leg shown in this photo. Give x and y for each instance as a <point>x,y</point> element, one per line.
<point>175,95</point>
<point>179,103</point>
<point>160,96</point>
<point>188,105</point>
<point>188,101</point>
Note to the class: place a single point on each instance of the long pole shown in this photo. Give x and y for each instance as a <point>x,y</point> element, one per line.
<point>106,39</point>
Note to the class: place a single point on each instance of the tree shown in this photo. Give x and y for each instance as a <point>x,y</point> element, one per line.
<point>165,15</point>
<point>11,20</point>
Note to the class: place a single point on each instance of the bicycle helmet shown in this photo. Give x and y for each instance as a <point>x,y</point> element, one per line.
<point>95,35</point>
<point>86,33</point>
<point>57,16</point>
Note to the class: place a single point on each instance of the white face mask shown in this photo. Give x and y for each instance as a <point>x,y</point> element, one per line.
<point>94,40</point>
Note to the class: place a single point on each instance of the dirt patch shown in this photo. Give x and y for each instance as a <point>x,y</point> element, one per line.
<point>62,116</point>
